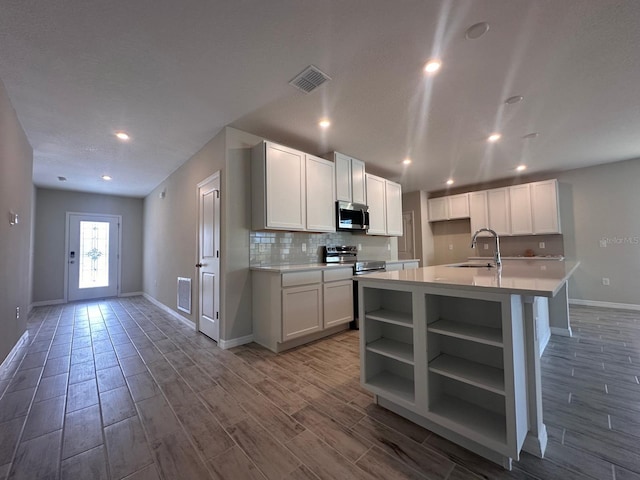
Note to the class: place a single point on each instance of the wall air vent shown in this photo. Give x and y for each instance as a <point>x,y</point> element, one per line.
<point>309,79</point>
<point>184,294</point>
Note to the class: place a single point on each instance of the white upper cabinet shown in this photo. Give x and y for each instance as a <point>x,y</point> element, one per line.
<point>278,188</point>
<point>320,199</point>
<point>343,177</point>
<point>393,194</point>
<point>350,179</point>
<point>438,209</point>
<point>377,205</point>
<point>499,210</point>
<point>544,200</point>
<point>448,208</point>
<point>358,182</point>
<point>520,211</point>
<point>478,212</point>
<point>384,199</point>
<point>458,206</point>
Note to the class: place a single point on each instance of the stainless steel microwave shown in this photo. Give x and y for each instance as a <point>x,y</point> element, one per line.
<point>351,217</point>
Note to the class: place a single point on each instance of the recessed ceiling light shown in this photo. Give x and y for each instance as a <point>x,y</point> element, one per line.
<point>514,99</point>
<point>123,136</point>
<point>432,66</point>
<point>450,181</point>
<point>406,161</point>
<point>324,123</point>
<point>521,168</point>
<point>494,137</point>
<point>476,31</point>
<point>62,179</point>
<point>531,135</point>
<point>106,177</point>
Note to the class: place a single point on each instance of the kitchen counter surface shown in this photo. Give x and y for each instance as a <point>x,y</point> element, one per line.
<point>521,277</point>
<point>299,268</point>
<point>392,262</point>
<point>522,257</point>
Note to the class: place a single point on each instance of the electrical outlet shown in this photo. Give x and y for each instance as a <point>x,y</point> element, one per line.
<point>304,247</point>
<point>541,245</point>
<point>603,244</point>
<point>486,246</point>
<point>605,281</point>
<point>359,247</point>
<point>389,246</point>
<point>17,312</point>
<point>451,246</point>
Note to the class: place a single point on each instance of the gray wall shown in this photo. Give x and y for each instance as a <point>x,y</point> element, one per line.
<point>16,195</point>
<point>49,244</point>
<point>602,204</point>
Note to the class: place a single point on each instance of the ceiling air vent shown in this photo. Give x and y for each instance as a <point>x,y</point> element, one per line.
<point>309,79</point>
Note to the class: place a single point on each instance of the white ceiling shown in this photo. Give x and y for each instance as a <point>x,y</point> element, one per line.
<point>173,73</point>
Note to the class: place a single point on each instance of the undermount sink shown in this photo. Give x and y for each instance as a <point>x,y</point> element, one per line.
<point>473,265</point>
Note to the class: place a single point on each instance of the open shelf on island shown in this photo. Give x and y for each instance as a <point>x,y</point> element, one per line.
<point>467,331</point>
<point>472,373</point>
<point>400,351</point>
<point>391,316</point>
<point>393,385</point>
<point>477,423</point>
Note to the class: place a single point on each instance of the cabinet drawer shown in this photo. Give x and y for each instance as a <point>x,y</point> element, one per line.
<point>301,278</point>
<point>338,274</point>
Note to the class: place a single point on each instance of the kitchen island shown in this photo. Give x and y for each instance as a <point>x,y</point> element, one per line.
<point>456,349</point>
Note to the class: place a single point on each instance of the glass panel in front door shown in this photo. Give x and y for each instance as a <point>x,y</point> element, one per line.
<point>94,255</point>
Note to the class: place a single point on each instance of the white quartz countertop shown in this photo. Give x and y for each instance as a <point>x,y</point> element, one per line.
<point>299,268</point>
<point>522,257</point>
<point>522,277</point>
<point>402,261</point>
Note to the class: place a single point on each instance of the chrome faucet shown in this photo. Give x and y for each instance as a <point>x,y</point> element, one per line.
<point>496,255</point>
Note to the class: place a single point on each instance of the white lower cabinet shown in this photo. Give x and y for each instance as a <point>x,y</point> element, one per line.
<point>301,311</point>
<point>463,376</point>
<point>290,309</point>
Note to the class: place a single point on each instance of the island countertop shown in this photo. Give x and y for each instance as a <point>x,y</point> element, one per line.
<point>535,278</point>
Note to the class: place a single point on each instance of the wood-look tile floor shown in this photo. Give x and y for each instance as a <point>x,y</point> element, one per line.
<point>119,389</point>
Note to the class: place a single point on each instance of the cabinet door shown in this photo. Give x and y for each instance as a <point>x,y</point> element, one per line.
<point>410,265</point>
<point>377,205</point>
<point>321,198</point>
<point>358,183</point>
<point>544,199</point>
<point>438,209</point>
<point>499,216</point>
<point>338,303</point>
<point>520,201</point>
<point>458,206</point>
<point>343,177</point>
<point>285,188</point>
<point>393,267</point>
<point>393,194</point>
<point>478,212</point>
<point>301,311</point>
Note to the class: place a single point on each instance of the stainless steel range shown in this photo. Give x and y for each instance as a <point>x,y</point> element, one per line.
<point>348,255</point>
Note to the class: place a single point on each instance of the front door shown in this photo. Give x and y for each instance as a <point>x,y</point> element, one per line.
<point>208,266</point>
<point>92,256</point>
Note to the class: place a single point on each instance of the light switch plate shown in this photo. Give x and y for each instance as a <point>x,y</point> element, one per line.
<point>605,281</point>
<point>304,247</point>
<point>451,246</point>
<point>541,245</point>
<point>603,244</point>
<point>486,246</point>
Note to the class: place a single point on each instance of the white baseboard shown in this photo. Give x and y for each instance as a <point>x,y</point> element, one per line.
<point>14,351</point>
<point>131,294</point>
<point>235,342</point>
<point>46,303</point>
<point>563,332</point>
<point>593,303</point>
<point>164,308</point>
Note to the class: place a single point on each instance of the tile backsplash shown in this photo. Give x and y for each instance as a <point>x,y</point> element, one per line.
<point>285,248</point>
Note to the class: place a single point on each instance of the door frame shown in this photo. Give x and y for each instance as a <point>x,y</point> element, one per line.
<point>66,250</point>
<point>413,230</point>
<point>217,174</point>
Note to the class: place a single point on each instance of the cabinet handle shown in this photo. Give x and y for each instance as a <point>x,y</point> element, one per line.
<point>199,265</point>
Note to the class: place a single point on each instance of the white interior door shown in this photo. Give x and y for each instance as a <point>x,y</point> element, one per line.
<point>93,256</point>
<point>406,241</point>
<point>208,266</point>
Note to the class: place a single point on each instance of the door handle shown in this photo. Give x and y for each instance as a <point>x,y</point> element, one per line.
<point>199,265</point>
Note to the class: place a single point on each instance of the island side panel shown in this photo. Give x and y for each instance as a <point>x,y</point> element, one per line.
<point>559,313</point>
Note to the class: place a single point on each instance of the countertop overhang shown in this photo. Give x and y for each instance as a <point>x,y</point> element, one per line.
<point>521,277</point>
